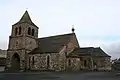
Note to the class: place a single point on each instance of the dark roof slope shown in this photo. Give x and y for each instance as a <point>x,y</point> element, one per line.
<point>117,62</point>
<point>26,18</point>
<point>81,51</point>
<point>99,52</point>
<point>89,51</point>
<point>52,43</point>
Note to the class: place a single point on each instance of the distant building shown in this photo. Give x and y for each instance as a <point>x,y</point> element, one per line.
<point>116,65</point>
<point>57,53</point>
<point>2,59</point>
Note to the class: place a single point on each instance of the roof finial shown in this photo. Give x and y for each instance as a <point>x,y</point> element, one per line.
<point>26,9</point>
<point>73,28</point>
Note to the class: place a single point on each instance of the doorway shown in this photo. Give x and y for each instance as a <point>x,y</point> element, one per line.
<point>15,62</point>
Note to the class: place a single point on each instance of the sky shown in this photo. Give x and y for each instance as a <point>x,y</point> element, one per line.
<point>96,22</point>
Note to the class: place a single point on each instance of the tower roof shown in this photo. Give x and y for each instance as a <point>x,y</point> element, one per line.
<point>26,17</point>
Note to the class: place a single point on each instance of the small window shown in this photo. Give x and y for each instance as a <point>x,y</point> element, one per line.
<point>19,30</point>
<point>81,58</point>
<point>16,31</point>
<point>33,60</point>
<point>85,63</point>
<point>29,31</point>
<point>69,62</point>
<point>33,32</point>
<point>48,61</point>
<point>29,62</point>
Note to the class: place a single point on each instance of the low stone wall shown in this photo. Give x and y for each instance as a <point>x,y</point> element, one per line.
<point>2,68</point>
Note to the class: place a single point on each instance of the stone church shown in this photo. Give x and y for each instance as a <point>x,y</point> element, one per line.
<point>55,53</point>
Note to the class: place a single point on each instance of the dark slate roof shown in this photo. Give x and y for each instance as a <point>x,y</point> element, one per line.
<point>81,51</point>
<point>99,52</point>
<point>26,18</point>
<point>118,61</point>
<point>52,44</point>
<point>88,51</point>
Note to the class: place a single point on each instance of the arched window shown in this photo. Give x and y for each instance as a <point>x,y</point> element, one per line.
<point>19,30</point>
<point>85,63</point>
<point>69,62</point>
<point>29,63</point>
<point>48,61</point>
<point>33,32</point>
<point>16,31</point>
<point>33,60</point>
<point>29,31</point>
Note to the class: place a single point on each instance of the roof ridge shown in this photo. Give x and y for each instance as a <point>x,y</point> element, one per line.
<point>86,47</point>
<point>56,35</point>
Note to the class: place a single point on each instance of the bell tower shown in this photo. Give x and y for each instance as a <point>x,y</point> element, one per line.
<point>21,41</point>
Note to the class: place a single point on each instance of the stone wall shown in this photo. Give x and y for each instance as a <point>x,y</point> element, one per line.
<point>86,62</point>
<point>22,55</point>
<point>62,59</point>
<point>103,63</point>
<point>24,29</point>
<point>73,43</point>
<point>41,63</point>
<point>2,68</point>
<point>73,64</point>
<point>22,43</point>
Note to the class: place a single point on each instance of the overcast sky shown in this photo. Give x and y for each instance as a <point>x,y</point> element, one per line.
<point>96,22</point>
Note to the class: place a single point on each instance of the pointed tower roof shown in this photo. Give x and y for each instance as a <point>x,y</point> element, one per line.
<point>26,18</point>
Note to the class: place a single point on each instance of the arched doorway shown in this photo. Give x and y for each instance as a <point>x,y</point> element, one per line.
<point>15,62</point>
